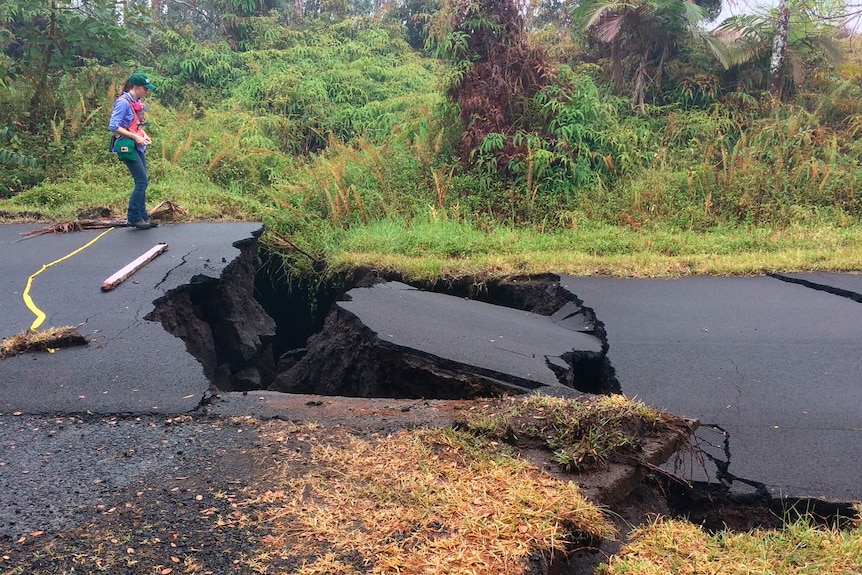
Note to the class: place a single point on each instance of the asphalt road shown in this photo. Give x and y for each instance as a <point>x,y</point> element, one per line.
<point>130,365</point>
<point>775,365</point>
<point>771,367</point>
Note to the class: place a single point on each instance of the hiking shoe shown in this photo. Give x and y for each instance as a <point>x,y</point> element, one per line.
<point>145,224</point>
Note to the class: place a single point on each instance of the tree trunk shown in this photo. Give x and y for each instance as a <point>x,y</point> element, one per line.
<point>639,94</point>
<point>298,12</point>
<point>617,68</point>
<point>665,51</point>
<point>39,100</point>
<point>779,49</point>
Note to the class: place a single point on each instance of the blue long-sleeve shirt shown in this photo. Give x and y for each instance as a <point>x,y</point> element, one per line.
<point>122,116</point>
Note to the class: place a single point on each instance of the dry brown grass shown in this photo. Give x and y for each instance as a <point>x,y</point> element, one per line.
<point>677,547</point>
<point>45,340</point>
<point>582,434</point>
<point>424,501</point>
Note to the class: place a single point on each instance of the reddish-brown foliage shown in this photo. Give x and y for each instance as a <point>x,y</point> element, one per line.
<point>506,72</point>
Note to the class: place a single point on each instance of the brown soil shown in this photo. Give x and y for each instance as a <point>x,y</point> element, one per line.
<point>193,516</point>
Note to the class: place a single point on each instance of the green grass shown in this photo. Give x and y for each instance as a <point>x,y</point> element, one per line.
<point>677,547</point>
<point>427,248</point>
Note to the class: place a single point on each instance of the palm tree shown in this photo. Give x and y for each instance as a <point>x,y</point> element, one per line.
<point>647,30</point>
<point>756,43</point>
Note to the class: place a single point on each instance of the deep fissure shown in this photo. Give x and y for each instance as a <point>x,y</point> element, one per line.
<point>257,321</point>
<point>254,327</point>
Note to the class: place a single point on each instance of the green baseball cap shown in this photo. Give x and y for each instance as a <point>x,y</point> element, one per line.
<point>138,79</point>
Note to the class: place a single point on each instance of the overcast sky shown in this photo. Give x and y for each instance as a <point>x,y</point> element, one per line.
<point>741,7</point>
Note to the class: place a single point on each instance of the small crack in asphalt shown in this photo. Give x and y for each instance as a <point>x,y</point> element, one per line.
<point>737,385</point>
<point>724,476</point>
<point>183,262</point>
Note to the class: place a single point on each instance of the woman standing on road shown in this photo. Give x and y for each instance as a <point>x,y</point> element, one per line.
<point>127,120</point>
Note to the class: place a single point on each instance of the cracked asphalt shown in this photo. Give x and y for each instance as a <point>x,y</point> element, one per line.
<point>131,365</point>
<point>82,424</point>
<point>770,366</point>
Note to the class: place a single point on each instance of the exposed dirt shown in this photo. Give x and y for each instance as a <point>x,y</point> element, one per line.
<point>150,494</point>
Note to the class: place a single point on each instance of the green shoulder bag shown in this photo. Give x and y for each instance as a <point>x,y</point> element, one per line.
<point>125,148</point>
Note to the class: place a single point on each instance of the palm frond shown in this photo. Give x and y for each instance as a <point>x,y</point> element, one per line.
<point>796,66</point>
<point>717,46</point>
<point>588,13</point>
<point>609,28</point>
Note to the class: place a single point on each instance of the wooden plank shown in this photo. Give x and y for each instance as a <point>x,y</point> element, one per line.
<point>126,271</point>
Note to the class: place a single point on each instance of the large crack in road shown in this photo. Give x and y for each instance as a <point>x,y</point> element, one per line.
<point>350,345</point>
<point>818,285</point>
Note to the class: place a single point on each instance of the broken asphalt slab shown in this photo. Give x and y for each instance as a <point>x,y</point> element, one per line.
<point>393,340</point>
<point>770,368</point>
<point>131,364</point>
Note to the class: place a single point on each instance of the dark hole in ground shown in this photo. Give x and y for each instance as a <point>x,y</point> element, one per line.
<point>241,326</point>
<point>253,329</point>
<point>710,505</point>
<point>716,508</point>
<point>345,363</point>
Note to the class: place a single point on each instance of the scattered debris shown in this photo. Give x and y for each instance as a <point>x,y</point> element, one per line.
<point>45,340</point>
<point>164,211</point>
<point>167,210</point>
<point>75,226</point>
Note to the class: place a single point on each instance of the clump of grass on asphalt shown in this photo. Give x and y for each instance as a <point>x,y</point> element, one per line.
<point>582,434</point>
<point>425,501</point>
<point>678,547</point>
<point>45,340</point>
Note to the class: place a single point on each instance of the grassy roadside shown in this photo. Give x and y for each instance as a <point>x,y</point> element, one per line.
<point>680,547</point>
<point>434,249</point>
<point>428,248</point>
<point>318,499</point>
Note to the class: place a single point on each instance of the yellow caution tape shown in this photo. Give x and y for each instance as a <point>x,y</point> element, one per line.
<point>28,301</point>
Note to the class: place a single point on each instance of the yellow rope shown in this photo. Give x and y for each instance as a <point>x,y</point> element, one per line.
<point>28,301</point>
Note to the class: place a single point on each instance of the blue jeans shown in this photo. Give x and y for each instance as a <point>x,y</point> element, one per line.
<point>138,202</point>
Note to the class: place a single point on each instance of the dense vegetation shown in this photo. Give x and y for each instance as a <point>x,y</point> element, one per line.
<point>336,121</point>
